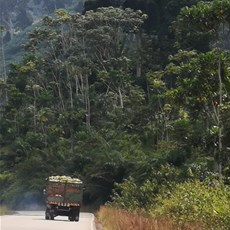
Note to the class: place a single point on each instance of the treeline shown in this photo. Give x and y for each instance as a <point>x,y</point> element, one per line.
<point>134,91</point>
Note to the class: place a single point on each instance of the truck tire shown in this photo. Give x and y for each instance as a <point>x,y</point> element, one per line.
<point>77,218</point>
<point>74,214</point>
<point>74,218</point>
<point>49,215</point>
<point>71,218</point>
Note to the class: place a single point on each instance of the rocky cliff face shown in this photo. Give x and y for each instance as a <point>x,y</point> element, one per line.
<point>18,17</point>
<point>19,14</point>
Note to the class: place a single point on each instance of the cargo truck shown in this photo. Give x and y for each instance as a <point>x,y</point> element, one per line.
<point>63,195</point>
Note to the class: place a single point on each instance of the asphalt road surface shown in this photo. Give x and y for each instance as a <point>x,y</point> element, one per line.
<point>34,220</point>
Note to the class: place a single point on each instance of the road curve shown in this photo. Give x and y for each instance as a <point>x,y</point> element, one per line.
<point>35,220</point>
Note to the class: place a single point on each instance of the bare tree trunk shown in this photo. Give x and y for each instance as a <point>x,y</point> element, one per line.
<point>220,123</point>
<point>69,84</point>
<point>57,80</point>
<point>7,19</point>
<point>139,64</point>
<point>87,103</point>
<point>82,86</point>
<point>35,111</point>
<point>121,98</point>
<point>71,95</point>
<point>77,85</point>
<point>3,93</point>
<point>60,94</point>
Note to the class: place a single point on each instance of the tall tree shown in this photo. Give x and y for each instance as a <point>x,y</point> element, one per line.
<point>210,20</point>
<point>196,87</point>
<point>80,45</point>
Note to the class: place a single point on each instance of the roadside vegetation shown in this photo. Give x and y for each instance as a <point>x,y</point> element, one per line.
<point>133,98</point>
<point>193,204</point>
<point>118,219</point>
<point>4,211</point>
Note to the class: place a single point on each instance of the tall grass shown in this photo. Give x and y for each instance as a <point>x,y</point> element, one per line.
<point>115,219</point>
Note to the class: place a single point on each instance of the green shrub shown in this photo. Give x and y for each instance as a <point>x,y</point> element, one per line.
<point>197,202</point>
<point>133,196</point>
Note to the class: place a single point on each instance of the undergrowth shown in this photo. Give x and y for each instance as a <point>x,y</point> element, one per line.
<point>118,219</point>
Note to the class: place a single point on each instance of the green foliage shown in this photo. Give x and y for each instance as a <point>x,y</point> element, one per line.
<point>90,98</point>
<point>195,201</point>
<point>133,195</point>
<point>204,22</point>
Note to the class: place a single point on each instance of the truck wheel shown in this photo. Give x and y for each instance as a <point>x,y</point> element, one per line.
<point>49,216</point>
<point>71,218</point>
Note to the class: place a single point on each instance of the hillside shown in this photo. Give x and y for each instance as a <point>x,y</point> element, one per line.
<point>131,97</point>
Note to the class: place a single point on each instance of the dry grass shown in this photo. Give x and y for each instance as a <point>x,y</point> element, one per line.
<point>4,211</point>
<point>114,219</point>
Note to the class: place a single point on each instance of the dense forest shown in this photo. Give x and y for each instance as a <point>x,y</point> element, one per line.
<point>131,96</point>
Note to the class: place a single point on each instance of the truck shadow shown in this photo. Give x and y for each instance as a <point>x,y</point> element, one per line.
<point>55,220</point>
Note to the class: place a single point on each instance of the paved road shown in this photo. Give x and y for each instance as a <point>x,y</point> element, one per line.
<point>34,220</point>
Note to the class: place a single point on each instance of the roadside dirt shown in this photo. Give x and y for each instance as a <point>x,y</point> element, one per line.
<point>98,225</point>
